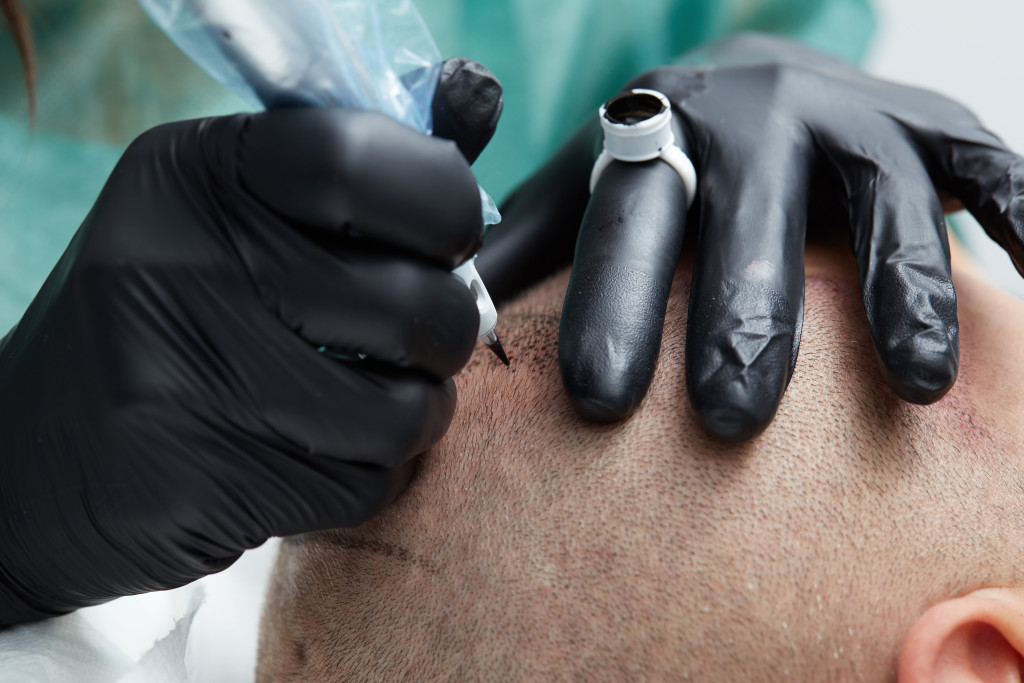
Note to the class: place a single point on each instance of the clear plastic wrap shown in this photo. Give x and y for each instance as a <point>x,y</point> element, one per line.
<point>364,54</point>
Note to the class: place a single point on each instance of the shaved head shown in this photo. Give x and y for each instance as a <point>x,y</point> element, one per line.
<point>535,545</point>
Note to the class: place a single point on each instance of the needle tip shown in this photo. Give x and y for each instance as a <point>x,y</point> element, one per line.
<point>499,351</point>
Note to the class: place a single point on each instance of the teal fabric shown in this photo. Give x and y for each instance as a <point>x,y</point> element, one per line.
<point>106,74</point>
<point>47,184</point>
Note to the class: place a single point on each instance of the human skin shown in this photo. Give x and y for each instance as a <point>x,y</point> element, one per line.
<point>535,545</point>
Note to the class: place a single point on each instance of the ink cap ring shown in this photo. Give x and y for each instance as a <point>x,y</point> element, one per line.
<point>637,127</point>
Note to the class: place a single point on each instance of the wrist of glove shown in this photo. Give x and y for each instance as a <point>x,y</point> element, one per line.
<point>780,135</point>
<point>252,334</point>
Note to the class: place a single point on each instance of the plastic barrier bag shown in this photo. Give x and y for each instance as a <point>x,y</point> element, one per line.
<point>362,54</point>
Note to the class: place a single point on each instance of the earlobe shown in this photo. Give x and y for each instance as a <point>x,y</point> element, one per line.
<point>977,637</point>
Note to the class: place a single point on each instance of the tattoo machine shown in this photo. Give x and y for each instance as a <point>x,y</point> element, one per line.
<point>363,54</point>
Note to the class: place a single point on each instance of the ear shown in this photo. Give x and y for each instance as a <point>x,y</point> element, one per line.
<point>978,637</point>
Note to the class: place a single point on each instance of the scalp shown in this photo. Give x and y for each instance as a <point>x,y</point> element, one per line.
<point>535,544</point>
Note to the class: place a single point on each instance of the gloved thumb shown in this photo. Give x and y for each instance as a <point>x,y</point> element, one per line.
<point>467,105</point>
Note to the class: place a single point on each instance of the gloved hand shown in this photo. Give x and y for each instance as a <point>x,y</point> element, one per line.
<point>778,132</point>
<point>163,403</point>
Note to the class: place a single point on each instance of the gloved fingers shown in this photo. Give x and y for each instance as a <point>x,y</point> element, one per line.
<point>361,174</point>
<point>899,238</point>
<point>306,398</point>
<point>746,303</point>
<point>989,179</point>
<point>292,487</point>
<point>304,493</point>
<point>540,221</point>
<point>467,105</point>
<point>397,311</point>
<point>614,309</point>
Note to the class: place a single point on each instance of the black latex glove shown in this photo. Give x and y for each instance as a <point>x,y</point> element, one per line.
<point>163,404</point>
<point>778,132</point>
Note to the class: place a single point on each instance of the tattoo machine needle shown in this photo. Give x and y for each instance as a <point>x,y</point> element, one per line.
<point>324,53</point>
<point>488,314</point>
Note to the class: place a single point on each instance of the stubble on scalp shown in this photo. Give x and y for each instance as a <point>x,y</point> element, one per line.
<point>535,544</point>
